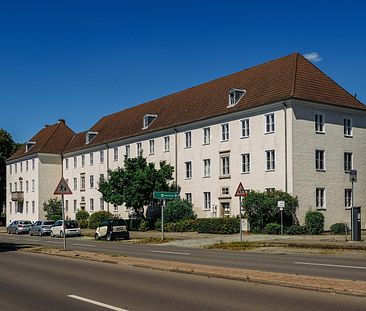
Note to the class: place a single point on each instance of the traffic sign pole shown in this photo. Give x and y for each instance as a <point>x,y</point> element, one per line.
<point>241,226</point>
<point>162,220</point>
<point>63,220</point>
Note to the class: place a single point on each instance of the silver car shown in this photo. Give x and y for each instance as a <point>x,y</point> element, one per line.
<point>41,227</point>
<point>19,226</point>
<point>72,228</point>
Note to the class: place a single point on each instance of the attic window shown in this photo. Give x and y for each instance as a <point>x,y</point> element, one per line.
<point>234,96</point>
<point>29,145</point>
<point>148,119</point>
<point>90,136</point>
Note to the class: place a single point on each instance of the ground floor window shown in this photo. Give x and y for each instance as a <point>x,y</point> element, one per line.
<point>347,198</point>
<point>320,198</point>
<point>207,200</point>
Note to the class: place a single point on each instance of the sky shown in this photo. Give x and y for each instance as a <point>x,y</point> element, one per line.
<point>81,60</point>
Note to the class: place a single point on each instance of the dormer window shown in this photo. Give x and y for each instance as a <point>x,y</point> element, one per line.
<point>235,95</point>
<point>148,119</point>
<point>90,136</point>
<point>29,145</point>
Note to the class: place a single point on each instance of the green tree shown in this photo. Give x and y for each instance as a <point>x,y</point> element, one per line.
<point>96,218</point>
<point>177,210</point>
<point>134,184</point>
<point>53,209</point>
<point>7,148</point>
<point>261,209</point>
<point>82,217</point>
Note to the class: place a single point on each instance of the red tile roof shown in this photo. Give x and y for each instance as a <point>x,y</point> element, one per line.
<point>51,139</point>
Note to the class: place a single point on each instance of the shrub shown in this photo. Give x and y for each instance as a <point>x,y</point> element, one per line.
<point>177,210</point>
<point>144,225</point>
<point>133,224</point>
<point>186,225</point>
<point>272,228</point>
<point>224,225</point>
<point>157,224</point>
<point>314,222</point>
<point>295,230</point>
<point>339,228</point>
<point>82,217</point>
<point>96,218</point>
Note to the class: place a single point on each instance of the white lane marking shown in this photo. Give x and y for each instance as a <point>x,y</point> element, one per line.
<point>166,252</point>
<point>54,242</point>
<point>80,244</point>
<point>328,265</point>
<point>97,303</point>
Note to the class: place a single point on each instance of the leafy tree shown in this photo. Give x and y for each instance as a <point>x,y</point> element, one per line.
<point>96,218</point>
<point>53,209</point>
<point>82,217</point>
<point>177,210</point>
<point>7,148</point>
<point>314,222</point>
<point>261,209</point>
<point>134,184</point>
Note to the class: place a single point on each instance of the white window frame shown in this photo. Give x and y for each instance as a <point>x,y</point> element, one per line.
<point>101,204</point>
<point>82,160</point>
<point>75,162</point>
<point>225,132</point>
<point>348,198</point>
<point>245,128</point>
<point>245,163</point>
<point>320,160</point>
<point>188,136</point>
<point>269,123</point>
<point>33,185</point>
<point>206,201</point>
<point>91,158</point>
<point>82,182</point>
<point>139,149</point>
<point>101,156</point>
<point>320,198</point>
<point>127,151</point>
<point>33,207</point>
<point>348,161</point>
<point>225,165</point>
<point>166,143</point>
<point>151,146</point>
<point>75,183</point>
<point>188,196</point>
<point>66,164</point>
<point>319,123</point>
<point>115,154</point>
<point>188,169</point>
<point>91,204</point>
<point>225,191</point>
<point>33,164</point>
<point>91,181</point>
<point>75,205</point>
<point>347,127</point>
<point>206,168</point>
<point>206,136</point>
<point>270,160</point>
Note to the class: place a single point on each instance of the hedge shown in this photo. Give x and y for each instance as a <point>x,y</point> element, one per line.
<point>314,222</point>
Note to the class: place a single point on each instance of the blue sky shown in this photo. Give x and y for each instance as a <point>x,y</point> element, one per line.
<point>82,60</point>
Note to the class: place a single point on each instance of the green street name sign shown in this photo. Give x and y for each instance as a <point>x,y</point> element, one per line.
<point>165,195</point>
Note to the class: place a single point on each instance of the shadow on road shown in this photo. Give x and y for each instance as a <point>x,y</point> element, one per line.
<point>8,247</point>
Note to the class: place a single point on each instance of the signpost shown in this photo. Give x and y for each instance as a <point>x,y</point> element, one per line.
<point>62,189</point>
<point>240,192</point>
<point>164,196</point>
<point>281,205</point>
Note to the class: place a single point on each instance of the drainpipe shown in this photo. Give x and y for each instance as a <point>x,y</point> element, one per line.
<point>176,158</point>
<point>285,116</point>
<point>107,170</point>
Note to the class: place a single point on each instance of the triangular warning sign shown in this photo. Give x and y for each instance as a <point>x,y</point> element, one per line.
<point>62,187</point>
<point>240,192</point>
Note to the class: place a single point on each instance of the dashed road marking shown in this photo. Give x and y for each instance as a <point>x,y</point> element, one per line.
<point>328,265</point>
<point>167,252</point>
<point>97,303</point>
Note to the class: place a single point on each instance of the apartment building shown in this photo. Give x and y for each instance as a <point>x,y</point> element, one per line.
<point>281,125</point>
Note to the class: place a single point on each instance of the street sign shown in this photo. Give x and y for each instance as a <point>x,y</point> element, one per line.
<point>165,195</point>
<point>240,192</point>
<point>353,175</point>
<point>281,204</point>
<point>62,188</point>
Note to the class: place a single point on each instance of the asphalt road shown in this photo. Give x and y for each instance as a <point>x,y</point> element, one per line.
<point>340,267</point>
<point>38,282</point>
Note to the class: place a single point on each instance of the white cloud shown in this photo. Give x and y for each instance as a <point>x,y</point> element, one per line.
<point>313,57</point>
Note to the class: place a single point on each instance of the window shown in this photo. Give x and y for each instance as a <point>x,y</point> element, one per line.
<point>347,198</point>
<point>127,151</point>
<point>10,187</point>
<point>21,166</point>
<point>67,164</point>
<point>151,146</point>
<point>11,169</point>
<point>139,149</point>
<point>33,207</point>
<point>101,156</point>
<point>115,154</point>
<point>207,201</point>
<point>206,136</point>
<point>33,164</point>
<point>26,186</point>
<point>188,170</point>
<point>319,123</point>
<point>26,207</point>
<point>188,139</point>
<point>206,168</point>
<point>115,208</point>
<point>21,185</point>
<point>166,143</point>
<point>234,96</point>
<point>91,159</point>
<point>26,165</point>
<point>16,168</point>
<point>319,160</point>
<point>148,119</point>
<point>101,177</point>
<point>75,183</point>
<point>91,203</point>
<point>245,163</point>
<point>33,185</point>
<point>66,205</point>
<point>101,204</point>
<point>347,127</point>
<point>270,123</point>
<point>225,165</point>
<point>225,132</point>
<point>320,198</point>
<point>82,160</point>
<point>15,187</point>
<point>82,182</point>
<point>347,161</point>
<point>270,160</point>
<point>269,190</point>
<point>10,207</point>
<point>75,205</point>
<point>225,191</point>
<point>91,181</point>
<point>244,128</point>
<point>75,162</point>
<point>189,197</point>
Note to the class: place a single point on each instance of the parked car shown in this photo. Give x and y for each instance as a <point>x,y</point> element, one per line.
<point>41,227</point>
<point>72,228</point>
<point>19,226</point>
<point>112,229</point>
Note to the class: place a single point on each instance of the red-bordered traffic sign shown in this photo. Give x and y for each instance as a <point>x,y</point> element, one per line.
<point>240,192</point>
<point>62,188</point>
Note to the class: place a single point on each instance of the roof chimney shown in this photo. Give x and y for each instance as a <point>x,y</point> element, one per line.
<point>61,121</point>
<point>46,125</point>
